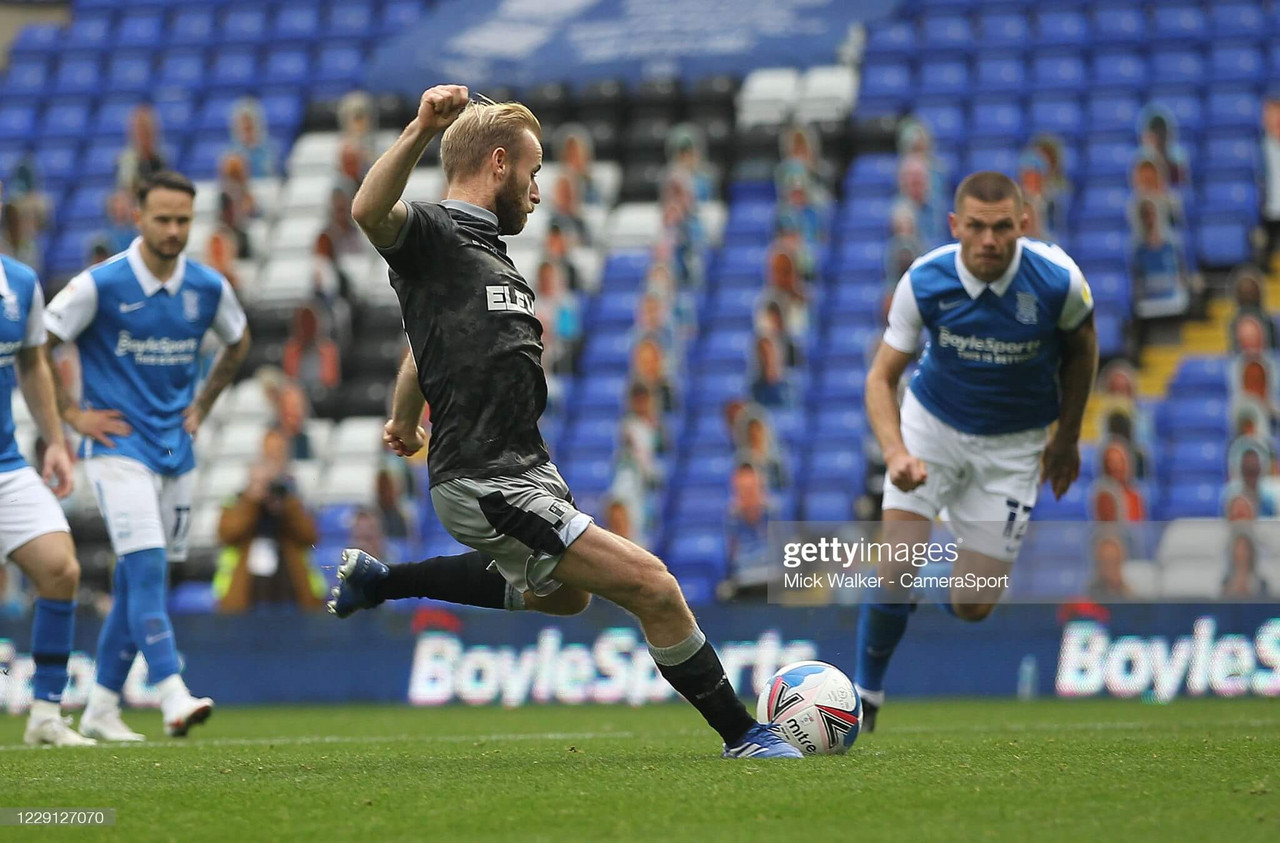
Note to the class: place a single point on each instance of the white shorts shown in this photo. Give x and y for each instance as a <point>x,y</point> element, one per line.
<point>143,510</point>
<point>28,510</point>
<point>985,486</point>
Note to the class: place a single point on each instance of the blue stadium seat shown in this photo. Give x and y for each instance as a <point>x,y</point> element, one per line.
<point>1003,29</point>
<point>1185,418</point>
<point>891,39</point>
<point>87,204</point>
<point>1111,290</point>
<point>129,72</point>
<point>1000,118</point>
<point>1191,500</point>
<point>944,76</point>
<point>70,248</point>
<point>608,351</point>
<point>1237,20</point>
<point>175,108</point>
<point>1223,241</point>
<point>99,159</point>
<point>78,73</point>
<point>1000,158</point>
<point>350,19</point>
<point>849,343</point>
<point>750,222</point>
<point>234,69</point>
<point>1061,27</point>
<point>1207,375</point>
<point>11,152</point>
<point>706,432</point>
<point>338,62</point>
<point>245,25</point>
<point>1058,72</point>
<point>36,40</point>
<point>861,258</point>
<point>715,389</point>
<point>1187,107</point>
<point>1229,197</point>
<point>1113,112</point>
<point>703,546</point>
<point>753,190</point>
<point>945,33</point>
<point>840,386</point>
<point>626,268</point>
<point>944,118</point>
<point>1233,106</point>
<point>1204,461</point>
<point>27,77</point>
<point>1236,154</point>
<point>112,118</point>
<point>398,15</point>
<point>1177,65</point>
<point>591,437</point>
<point>843,465</point>
<point>726,345</point>
<point>192,27</point>
<point>1058,114</point>
<point>1104,198</point>
<point>58,162</point>
<point>886,82</point>
<point>1105,159</point>
<point>183,67</point>
<point>1236,63</point>
<point>1072,507</point>
<point>89,31</point>
<point>287,66</point>
<point>65,118</point>
<point>1119,24</point>
<point>839,423</point>
<point>830,504</point>
<point>1110,329</point>
<point>333,522</point>
<point>873,170</point>
<point>999,74</point>
<point>708,468</point>
<point>748,260</point>
<point>215,114</point>
<point>1119,69</point>
<point>17,121</point>
<point>201,159</point>
<point>1178,22</point>
<point>144,29</point>
<point>296,22</point>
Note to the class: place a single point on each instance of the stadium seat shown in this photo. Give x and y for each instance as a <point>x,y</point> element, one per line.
<point>1223,242</point>
<point>994,156</point>
<point>767,96</point>
<point>996,118</point>
<point>36,40</point>
<point>940,77</point>
<point>1233,106</point>
<point>1179,418</point>
<point>241,440</point>
<point>890,40</point>
<point>945,33</point>
<point>1237,21</point>
<point>244,25</point>
<point>1003,29</point>
<point>1188,108</point>
<point>885,83</point>
<point>287,66</point>
<point>828,505</point>
<point>1058,114</point>
<point>65,118</point>
<point>296,22</point>
<point>234,68</point>
<point>88,31</point>
<point>842,466</point>
<point>1177,65</point>
<point>1203,461</point>
<point>129,72</point>
<point>192,27</point>
<point>1234,154</point>
<point>58,161</point>
<point>1228,196</point>
<point>1117,24</point>
<point>1000,74</point>
<point>350,19</point>
<point>1061,28</point>
<point>182,67</point>
<point>27,77</point>
<point>1191,500</point>
<point>140,30</point>
<point>78,74</point>
<point>1058,72</point>
<point>1120,69</point>
<point>1236,63</point>
<point>944,118</point>
<point>398,15</point>
<point>1178,22</point>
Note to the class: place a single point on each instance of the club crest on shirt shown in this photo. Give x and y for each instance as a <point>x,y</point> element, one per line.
<point>191,305</point>
<point>12,311</point>
<point>1027,312</point>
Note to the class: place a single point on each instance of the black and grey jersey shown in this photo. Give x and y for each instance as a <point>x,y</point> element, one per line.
<point>476,339</point>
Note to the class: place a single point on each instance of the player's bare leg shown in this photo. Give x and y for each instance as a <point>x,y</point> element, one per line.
<point>49,561</point>
<point>602,563</point>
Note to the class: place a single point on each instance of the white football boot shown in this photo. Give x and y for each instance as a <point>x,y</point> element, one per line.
<point>105,725</point>
<point>50,728</point>
<point>182,711</point>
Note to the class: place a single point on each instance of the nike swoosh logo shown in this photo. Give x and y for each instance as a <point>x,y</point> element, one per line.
<point>946,305</point>
<point>152,639</point>
<point>130,308</point>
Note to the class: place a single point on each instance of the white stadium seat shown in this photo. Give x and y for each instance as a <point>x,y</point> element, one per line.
<point>607,176</point>
<point>241,439</point>
<point>826,93</point>
<point>1143,578</point>
<point>223,481</point>
<point>206,203</point>
<point>768,96</point>
<point>633,225</point>
<point>315,152</point>
<point>318,432</point>
<point>266,195</point>
<point>296,234</point>
<point>347,481</point>
<point>204,524</point>
<point>713,214</point>
<point>358,436</point>
<point>426,184</point>
<point>306,476</point>
<point>249,401</point>
<point>286,280</point>
<point>307,193</point>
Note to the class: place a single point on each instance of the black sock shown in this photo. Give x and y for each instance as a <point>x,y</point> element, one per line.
<point>701,680</point>
<point>465,578</point>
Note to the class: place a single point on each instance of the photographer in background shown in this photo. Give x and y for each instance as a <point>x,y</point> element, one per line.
<point>267,535</point>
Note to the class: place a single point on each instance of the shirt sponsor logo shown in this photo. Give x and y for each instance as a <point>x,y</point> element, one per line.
<point>157,351</point>
<point>504,297</point>
<point>7,351</point>
<point>988,349</point>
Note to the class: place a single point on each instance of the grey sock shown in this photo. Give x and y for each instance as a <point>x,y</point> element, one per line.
<point>679,653</point>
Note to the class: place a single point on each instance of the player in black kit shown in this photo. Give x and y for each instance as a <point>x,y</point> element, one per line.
<point>476,358</point>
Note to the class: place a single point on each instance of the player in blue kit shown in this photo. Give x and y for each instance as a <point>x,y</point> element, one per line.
<point>138,319</point>
<point>33,530</point>
<point>1012,352</point>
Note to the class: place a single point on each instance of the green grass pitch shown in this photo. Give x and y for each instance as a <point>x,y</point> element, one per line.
<point>937,770</point>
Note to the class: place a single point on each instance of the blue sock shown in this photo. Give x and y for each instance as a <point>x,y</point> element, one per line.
<point>149,625</point>
<point>880,628</point>
<point>936,594</point>
<point>116,649</point>
<point>51,634</point>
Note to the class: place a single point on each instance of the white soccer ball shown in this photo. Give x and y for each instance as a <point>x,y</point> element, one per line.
<point>816,706</point>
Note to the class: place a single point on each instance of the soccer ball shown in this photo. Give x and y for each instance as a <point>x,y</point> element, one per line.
<point>816,706</point>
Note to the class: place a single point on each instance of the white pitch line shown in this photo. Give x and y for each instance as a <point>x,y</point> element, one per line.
<point>351,739</point>
<point>908,729</point>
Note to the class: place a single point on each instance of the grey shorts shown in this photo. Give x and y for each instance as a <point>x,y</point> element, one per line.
<point>526,521</point>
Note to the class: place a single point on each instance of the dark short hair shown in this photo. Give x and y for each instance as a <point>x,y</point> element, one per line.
<point>168,180</point>
<point>988,186</point>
